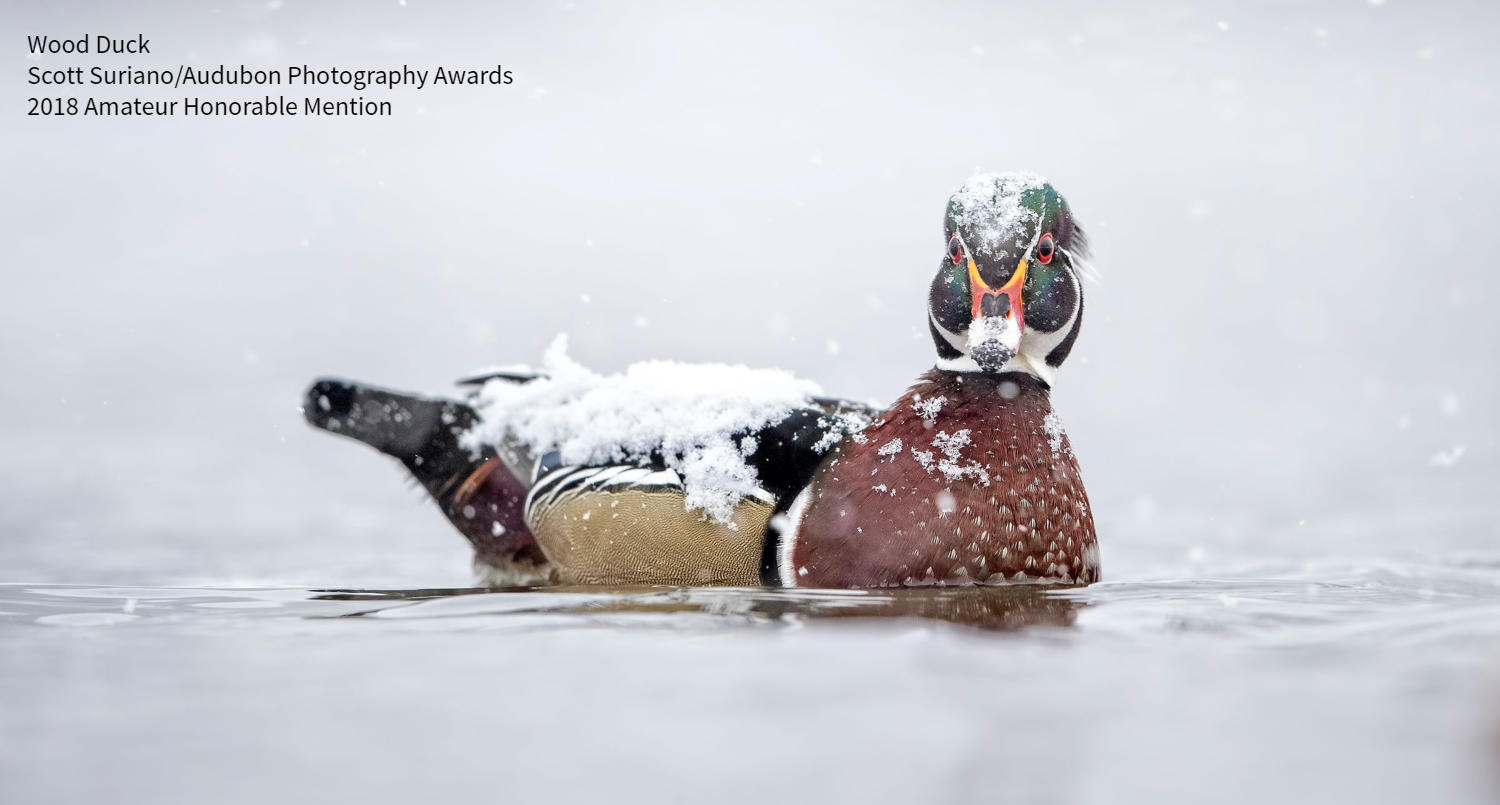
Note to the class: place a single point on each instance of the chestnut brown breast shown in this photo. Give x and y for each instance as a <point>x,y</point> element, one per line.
<point>967,479</point>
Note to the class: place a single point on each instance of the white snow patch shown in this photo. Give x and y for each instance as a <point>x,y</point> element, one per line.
<point>890,448</point>
<point>1004,331</point>
<point>951,443</point>
<point>1052,424</point>
<point>837,428</point>
<point>988,208</point>
<point>688,415</point>
<point>928,409</point>
<point>952,465</point>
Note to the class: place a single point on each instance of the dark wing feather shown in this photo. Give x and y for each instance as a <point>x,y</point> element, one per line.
<point>513,375</point>
<point>788,451</point>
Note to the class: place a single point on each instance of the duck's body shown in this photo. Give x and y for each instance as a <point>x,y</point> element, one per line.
<point>534,518</point>
<point>967,479</point>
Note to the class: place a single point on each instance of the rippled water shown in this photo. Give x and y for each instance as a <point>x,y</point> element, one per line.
<point>1371,681</point>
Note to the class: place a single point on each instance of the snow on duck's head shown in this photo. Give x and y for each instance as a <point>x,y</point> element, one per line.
<point>1008,295</point>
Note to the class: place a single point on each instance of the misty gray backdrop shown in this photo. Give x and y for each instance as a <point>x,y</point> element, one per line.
<point>1291,351</point>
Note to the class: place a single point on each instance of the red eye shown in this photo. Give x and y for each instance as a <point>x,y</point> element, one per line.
<point>955,250</point>
<point>1045,248</point>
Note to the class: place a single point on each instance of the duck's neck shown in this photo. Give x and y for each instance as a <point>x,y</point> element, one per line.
<point>1023,363</point>
<point>1006,385</point>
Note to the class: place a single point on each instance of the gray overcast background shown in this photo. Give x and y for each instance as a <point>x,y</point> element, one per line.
<point>1291,204</point>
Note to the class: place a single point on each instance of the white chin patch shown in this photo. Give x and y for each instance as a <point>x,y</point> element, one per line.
<point>993,341</point>
<point>1029,358</point>
<point>992,330</point>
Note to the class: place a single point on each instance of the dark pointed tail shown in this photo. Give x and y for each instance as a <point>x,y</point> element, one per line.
<point>473,488</point>
<point>421,432</point>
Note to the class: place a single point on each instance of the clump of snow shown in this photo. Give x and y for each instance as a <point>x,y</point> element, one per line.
<point>836,430</point>
<point>952,465</point>
<point>928,409</point>
<point>693,417</point>
<point>995,328</point>
<point>999,336</point>
<point>890,448</point>
<point>989,212</point>
<point>1052,424</point>
<point>951,444</point>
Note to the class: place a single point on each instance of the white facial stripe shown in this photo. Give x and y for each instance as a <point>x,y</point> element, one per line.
<point>1035,237</point>
<point>1037,345</point>
<point>959,341</point>
<point>962,363</point>
<point>958,233</point>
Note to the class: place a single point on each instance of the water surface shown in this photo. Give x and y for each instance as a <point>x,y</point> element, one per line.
<point>1370,681</point>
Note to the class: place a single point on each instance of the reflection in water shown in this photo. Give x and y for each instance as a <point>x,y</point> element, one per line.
<point>989,608</point>
<point>992,608</point>
<point>1381,604</point>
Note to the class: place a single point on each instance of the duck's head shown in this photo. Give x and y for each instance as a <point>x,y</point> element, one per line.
<point>1008,296</point>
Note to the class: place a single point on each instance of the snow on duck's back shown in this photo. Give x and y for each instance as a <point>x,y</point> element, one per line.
<point>693,417</point>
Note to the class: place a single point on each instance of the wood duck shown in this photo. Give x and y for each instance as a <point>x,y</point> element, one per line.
<point>967,479</point>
